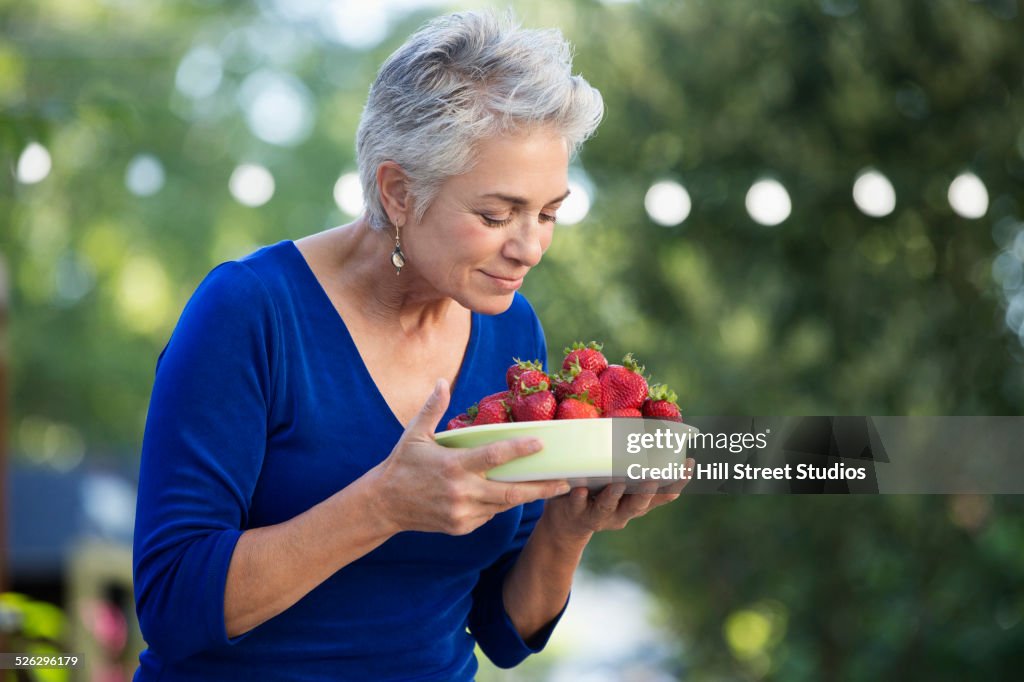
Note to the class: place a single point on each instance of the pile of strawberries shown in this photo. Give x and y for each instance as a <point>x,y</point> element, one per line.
<point>586,387</point>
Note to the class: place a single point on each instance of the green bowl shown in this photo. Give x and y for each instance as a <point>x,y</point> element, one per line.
<point>579,450</point>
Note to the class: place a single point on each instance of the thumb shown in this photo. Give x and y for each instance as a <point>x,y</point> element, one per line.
<point>430,414</point>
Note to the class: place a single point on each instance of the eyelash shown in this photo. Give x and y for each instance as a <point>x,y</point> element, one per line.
<point>544,218</point>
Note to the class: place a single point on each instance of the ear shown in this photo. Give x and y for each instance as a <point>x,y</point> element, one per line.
<point>393,185</point>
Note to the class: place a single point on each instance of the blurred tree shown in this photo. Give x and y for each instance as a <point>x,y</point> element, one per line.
<point>836,588</point>
<point>831,311</point>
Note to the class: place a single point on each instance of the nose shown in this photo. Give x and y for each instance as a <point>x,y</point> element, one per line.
<point>528,243</point>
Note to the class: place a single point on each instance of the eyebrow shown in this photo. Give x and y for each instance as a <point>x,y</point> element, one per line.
<point>520,201</point>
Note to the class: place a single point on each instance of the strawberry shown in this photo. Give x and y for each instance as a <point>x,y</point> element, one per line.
<point>489,412</point>
<point>577,381</point>
<point>575,408</point>
<point>514,371</point>
<point>661,404</point>
<point>460,422</point>
<point>532,379</point>
<point>503,396</point>
<point>533,404</point>
<point>587,355</point>
<point>623,412</point>
<point>623,386</point>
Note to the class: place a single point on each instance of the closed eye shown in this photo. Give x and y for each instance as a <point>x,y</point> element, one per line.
<point>502,222</point>
<point>496,222</point>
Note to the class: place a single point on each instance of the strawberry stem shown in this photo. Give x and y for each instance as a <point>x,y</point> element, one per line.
<point>630,363</point>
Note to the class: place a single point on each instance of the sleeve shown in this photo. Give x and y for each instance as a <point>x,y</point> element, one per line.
<point>202,451</point>
<point>488,619</point>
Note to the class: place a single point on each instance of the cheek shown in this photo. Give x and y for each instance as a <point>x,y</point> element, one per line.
<point>547,236</point>
<point>468,244</point>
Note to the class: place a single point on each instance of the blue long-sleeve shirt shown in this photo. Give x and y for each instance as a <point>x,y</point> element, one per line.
<point>262,408</point>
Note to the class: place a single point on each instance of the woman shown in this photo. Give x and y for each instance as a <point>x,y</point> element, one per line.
<point>296,519</point>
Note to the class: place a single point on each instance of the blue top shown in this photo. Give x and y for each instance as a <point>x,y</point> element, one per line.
<point>262,408</point>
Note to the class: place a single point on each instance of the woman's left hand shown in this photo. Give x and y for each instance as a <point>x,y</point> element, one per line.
<point>578,515</point>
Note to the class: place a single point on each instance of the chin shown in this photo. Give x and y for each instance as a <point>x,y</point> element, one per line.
<point>488,304</point>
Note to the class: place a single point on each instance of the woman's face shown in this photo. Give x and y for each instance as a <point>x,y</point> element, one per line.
<point>487,228</point>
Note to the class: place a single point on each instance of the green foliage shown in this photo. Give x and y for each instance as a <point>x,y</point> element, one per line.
<point>838,588</point>
<point>831,312</point>
<point>41,626</point>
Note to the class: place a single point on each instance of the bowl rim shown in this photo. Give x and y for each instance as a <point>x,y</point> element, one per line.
<point>542,423</point>
<point>515,426</point>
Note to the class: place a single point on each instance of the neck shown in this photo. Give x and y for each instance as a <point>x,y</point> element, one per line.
<point>404,303</point>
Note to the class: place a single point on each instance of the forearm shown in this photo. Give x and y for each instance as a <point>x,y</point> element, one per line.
<point>275,566</point>
<point>538,584</point>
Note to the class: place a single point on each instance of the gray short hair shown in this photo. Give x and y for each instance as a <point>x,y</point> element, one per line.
<point>462,78</point>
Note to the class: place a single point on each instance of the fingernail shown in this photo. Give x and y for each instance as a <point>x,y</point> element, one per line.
<point>564,488</point>
<point>535,445</point>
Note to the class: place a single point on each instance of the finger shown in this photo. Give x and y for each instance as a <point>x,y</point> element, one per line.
<point>637,503</point>
<point>676,486</point>
<point>669,494</point>
<point>662,500</point>
<point>607,501</point>
<point>673,488</point>
<point>578,499</point>
<point>485,457</point>
<point>429,416</point>
<point>509,495</point>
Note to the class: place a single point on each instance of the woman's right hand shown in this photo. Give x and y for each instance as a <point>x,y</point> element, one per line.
<point>427,487</point>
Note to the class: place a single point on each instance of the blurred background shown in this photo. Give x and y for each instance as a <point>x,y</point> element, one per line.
<point>792,208</point>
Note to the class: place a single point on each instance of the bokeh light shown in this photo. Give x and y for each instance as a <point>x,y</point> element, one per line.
<point>768,202</point>
<point>50,443</point>
<point>144,176</point>
<point>251,184</point>
<point>1018,245</point>
<point>874,194</point>
<point>74,277</point>
<point>278,107</point>
<point>356,24</point>
<point>143,294</point>
<point>34,164</point>
<point>348,194</point>
<point>1008,271</point>
<point>200,72</point>
<point>1015,313</point>
<point>968,196</point>
<point>576,206</point>
<point>667,203</point>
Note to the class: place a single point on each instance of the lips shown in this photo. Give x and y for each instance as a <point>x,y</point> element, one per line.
<point>504,282</point>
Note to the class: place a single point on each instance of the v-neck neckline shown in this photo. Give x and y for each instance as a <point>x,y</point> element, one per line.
<point>465,367</point>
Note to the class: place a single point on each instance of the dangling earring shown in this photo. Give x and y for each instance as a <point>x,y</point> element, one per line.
<point>397,257</point>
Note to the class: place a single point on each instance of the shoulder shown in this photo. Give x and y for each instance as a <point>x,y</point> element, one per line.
<point>248,280</point>
<point>236,298</point>
<point>231,287</point>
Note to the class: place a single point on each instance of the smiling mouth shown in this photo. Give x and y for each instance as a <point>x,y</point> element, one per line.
<point>506,282</point>
<point>506,279</point>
